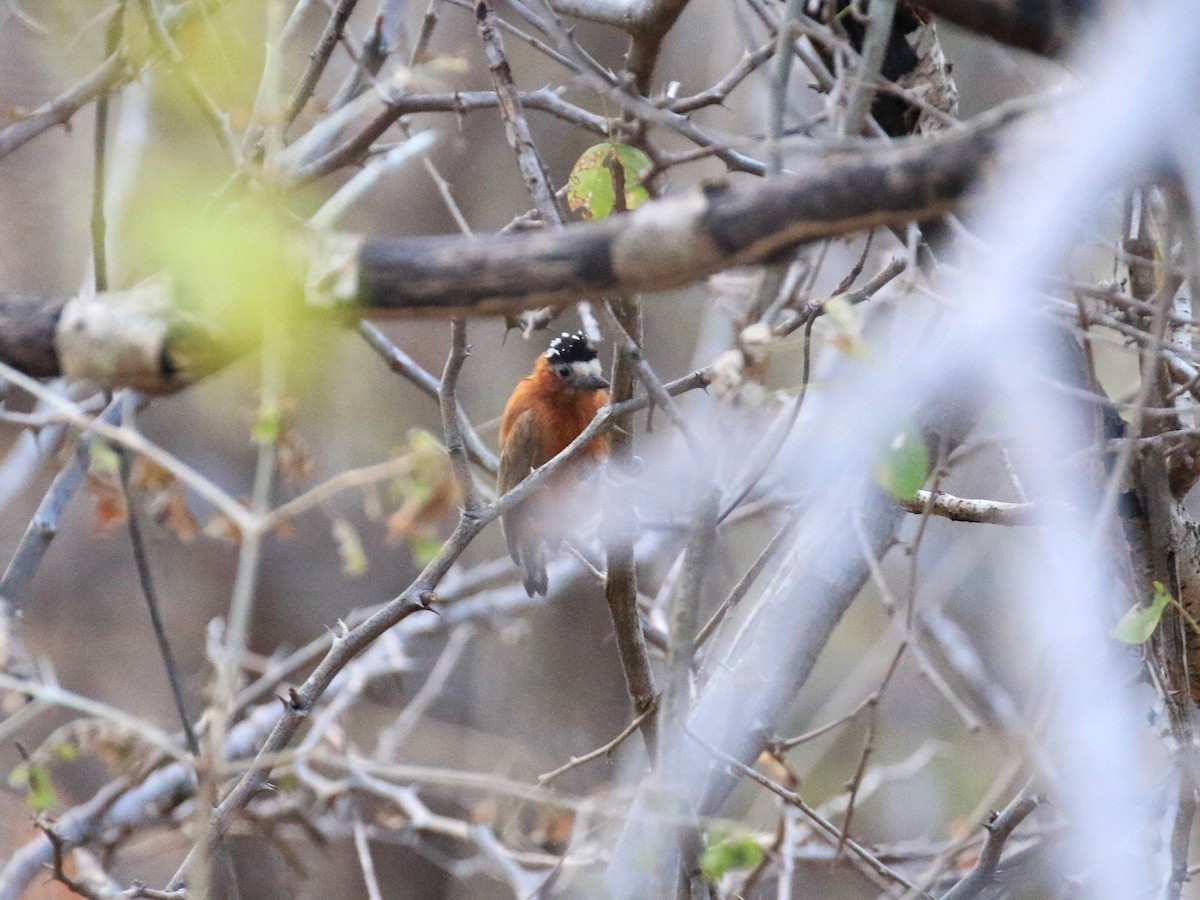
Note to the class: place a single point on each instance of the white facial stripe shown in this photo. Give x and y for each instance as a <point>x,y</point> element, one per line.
<point>584,369</point>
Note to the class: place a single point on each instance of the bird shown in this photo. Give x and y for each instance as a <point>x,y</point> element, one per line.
<point>547,410</point>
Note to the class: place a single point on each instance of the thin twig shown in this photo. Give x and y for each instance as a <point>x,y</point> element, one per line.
<point>603,750</point>
<point>717,94</point>
<point>781,72</point>
<point>110,74</point>
<point>868,746</point>
<point>397,103</point>
<point>516,128</point>
<point>112,40</point>
<point>647,375</point>
<point>620,587</point>
<point>875,44</point>
<point>43,527</point>
<point>420,50</point>
<point>59,696</point>
<point>319,59</point>
<point>782,746</point>
<point>448,400</point>
<point>135,442</point>
<point>365,863</point>
<point>395,734</point>
<point>825,828</point>
<point>404,365</point>
<point>217,120</point>
<point>145,578</point>
<point>747,581</point>
<point>683,609</point>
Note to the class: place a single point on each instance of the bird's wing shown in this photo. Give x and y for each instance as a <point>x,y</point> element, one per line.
<point>517,459</point>
<point>519,454</point>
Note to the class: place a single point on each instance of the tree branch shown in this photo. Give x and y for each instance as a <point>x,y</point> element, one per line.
<point>671,242</point>
<point>138,338</point>
<point>999,828</point>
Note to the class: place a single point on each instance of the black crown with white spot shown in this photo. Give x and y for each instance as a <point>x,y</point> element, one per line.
<point>571,348</point>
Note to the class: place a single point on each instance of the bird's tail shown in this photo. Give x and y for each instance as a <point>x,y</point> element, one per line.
<point>530,557</point>
<point>533,570</point>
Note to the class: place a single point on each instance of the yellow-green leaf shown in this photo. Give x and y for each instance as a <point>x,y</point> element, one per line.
<point>902,466</point>
<point>592,187</point>
<point>1139,622</point>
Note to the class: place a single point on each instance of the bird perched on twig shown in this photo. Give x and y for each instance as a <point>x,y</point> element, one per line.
<point>547,410</point>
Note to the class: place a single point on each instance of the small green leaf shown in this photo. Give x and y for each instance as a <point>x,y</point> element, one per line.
<point>902,466</point>
<point>591,188</point>
<point>35,780</point>
<point>424,549</point>
<point>350,548</point>
<point>726,850</point>
<point>67,752</point>
<point>103,459</point>
<point>1139,622</point>
<point>267,425</point>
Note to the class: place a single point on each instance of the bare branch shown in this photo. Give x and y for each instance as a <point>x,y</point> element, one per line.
<point>319,59</point>
<point>999,828</point>
<point>672,242</point>
<point>960,509</point>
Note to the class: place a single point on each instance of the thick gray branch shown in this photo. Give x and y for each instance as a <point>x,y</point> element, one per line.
<point>671,242</point>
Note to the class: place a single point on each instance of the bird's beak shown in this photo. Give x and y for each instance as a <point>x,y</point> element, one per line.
<point>594,383</point>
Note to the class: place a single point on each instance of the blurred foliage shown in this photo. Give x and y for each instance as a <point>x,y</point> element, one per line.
<point>34,779</point>
<point>727,848</point>
<point>902,466</point>
<point>428,495</point>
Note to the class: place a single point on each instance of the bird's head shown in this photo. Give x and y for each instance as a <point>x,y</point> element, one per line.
<point>572,359</point>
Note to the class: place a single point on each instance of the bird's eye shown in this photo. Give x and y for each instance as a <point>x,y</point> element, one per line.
<point>564,371</point>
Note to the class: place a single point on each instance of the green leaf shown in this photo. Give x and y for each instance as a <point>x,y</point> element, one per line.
<point>103,459</point>
<point>35,780</point>
<point>902,466</point>
<point>350,548</point>
<point>267,425</point>
<point>1139,622</point>
<point>424,549</point>
<point>726,850</point>
<point>591,188</point>
<point>67,752</point>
